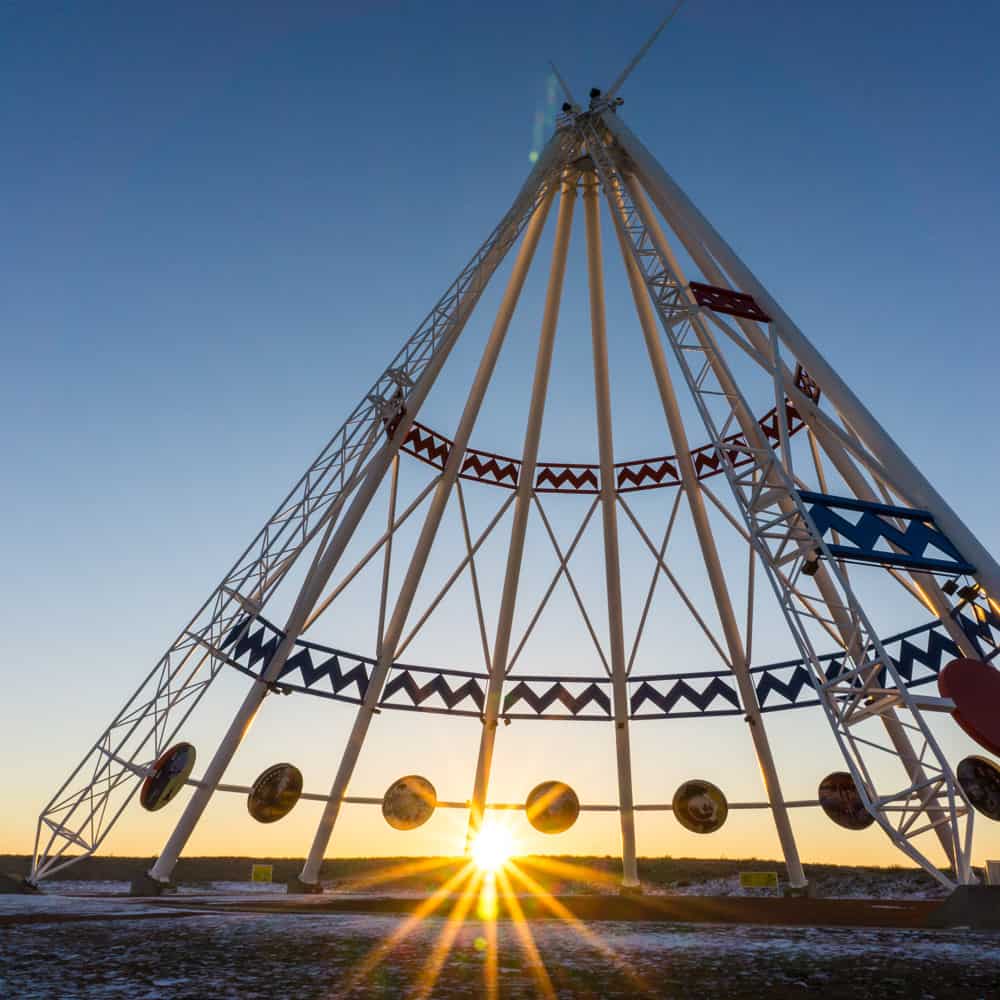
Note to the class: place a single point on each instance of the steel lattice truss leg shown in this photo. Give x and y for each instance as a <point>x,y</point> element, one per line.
<point>785,537</point>
<point>82,812</point>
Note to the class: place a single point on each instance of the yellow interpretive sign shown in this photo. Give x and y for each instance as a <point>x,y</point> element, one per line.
<point>261,873</point>
<point>759,880</point>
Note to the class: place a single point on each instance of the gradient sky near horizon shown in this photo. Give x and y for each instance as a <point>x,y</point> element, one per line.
<point>221,221</point>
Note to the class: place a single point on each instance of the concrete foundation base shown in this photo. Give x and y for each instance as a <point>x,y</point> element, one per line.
<point>296,887</point>
<point>975,906</point>
<point>146,885</point>
<point>799,891</point>
<point>16,885</point>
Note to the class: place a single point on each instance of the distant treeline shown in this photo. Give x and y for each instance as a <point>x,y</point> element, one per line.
<point>561,874</point>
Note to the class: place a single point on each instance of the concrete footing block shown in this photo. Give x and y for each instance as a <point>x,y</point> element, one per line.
<point>146,885</point>
<point>798,891</point>
<point>975,906</point>
<point>296,887</point>
<point>16,885</point>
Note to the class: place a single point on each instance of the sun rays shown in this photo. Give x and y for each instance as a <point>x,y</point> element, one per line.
<point>492,846</point>
<point>490,886</point>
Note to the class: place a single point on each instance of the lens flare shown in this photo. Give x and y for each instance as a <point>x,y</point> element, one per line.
<point>492,847</point>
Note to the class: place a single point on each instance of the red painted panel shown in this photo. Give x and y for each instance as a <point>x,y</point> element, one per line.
<point>974,686</point>
<point>725,300</point>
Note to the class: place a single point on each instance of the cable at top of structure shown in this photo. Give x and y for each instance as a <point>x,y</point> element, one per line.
<point>616,86</point>
<point>562,83</point>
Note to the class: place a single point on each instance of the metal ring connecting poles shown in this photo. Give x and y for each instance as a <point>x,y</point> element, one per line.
<point>522,503</point>
<point>418,560</point>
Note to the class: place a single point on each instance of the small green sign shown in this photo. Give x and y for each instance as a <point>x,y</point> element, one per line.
<point>261,873</point>
<point>759,880</point>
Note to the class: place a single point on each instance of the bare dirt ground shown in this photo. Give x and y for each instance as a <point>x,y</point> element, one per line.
<point>104,945</point>
<point>171,955</point>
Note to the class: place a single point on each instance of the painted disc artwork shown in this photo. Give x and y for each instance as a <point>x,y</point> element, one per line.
<point>409,802</point>
<point>700,807</point>
<point>552,807</point>
<point>980,780</point>
<point>839,799</point>
<point>274,793</point>
<point>172,768</point>
<point>974,686</point>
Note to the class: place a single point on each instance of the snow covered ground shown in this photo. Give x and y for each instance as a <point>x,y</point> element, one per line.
<point>842,886</point>
<point>124,948</point>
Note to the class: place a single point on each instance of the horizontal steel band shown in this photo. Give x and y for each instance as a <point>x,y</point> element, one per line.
<point>919,653</point>
<point>630,477</point>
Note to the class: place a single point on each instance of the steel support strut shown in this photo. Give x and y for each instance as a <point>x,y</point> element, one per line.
<point>713,564</point>
<point>324,565</point>
<point>895,728</point>
<point>609,513</point>
<point>783,535</point>
<point>85,808</point>
<point>845,463</point>
<point>418,561</point>
<point>841,618</point>
<point>913,485</point>
<point>522,503</point>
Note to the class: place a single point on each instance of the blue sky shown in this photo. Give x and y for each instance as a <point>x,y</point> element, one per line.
<point>220,224</point>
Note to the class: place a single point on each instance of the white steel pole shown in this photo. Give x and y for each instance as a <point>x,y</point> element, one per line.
<point>835,451</point>
<point>831,597</point>
<point>609,513</point>
<point>667,195</point>
<point>713,566</point>
<point>309,878</point>
<point>895,729</point>
<point>387,557</point>
<point>310,592</point>
<point>522,503</point>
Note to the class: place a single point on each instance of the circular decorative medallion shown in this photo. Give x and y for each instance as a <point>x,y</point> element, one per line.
<point>700,807</point>
<point>839,798</point>
<point>167,776</point>
<point>409,802</point>
<point>980,780</point>
<point>552,807</point>
<point>974,686</point>
<point>274,793</point>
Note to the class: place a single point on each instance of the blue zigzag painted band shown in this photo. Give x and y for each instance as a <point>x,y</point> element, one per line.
<point>877,540</point>
<point>919,653</point>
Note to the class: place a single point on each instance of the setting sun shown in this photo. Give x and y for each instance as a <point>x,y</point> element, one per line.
<point>492,847</point>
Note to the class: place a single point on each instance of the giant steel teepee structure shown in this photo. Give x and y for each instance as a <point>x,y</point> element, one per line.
<point>706,336</point>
